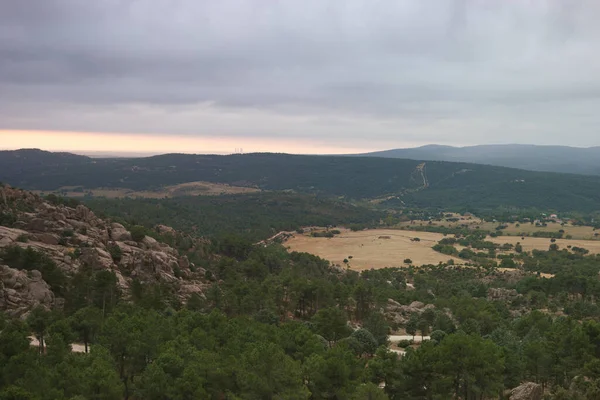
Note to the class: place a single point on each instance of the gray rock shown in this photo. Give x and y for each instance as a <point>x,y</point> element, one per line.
<point>527,391</point>
<point>20,291</point>
<point>47,238</point>
<point>37,225</point>
<point>97,258</point>
<point>119,233</point>
<point>150,243</point>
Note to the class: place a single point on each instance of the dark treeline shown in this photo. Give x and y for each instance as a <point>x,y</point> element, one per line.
<point>255,216</point>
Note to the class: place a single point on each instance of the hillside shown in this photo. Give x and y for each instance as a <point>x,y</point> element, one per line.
<point>256,321</point>
<point>48,251</point>
<point>531,157</point>
<point>252,216</point>
<point>412,183</point>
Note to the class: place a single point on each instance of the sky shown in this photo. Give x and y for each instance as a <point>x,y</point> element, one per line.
<point>310,76</point>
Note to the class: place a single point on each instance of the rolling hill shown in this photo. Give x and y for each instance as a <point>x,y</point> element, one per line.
<point>408,182</point>
<point>531,157</point>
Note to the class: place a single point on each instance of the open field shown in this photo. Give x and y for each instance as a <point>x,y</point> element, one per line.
<point>577,232</point>
<point>582,237</point>
<point>183,189</point>
<point>531,243</point>
<point>368,250</point>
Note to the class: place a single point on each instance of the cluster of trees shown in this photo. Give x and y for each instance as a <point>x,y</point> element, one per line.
<point>145,353</point>
<point>255,216</point>
<point>473,241</point>
<point>275,325</point>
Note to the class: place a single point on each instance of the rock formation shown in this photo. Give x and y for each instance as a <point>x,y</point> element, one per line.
<point>73,237</point>
<point>20,291</point>
<point>400,314</point>
<point>527,391</point>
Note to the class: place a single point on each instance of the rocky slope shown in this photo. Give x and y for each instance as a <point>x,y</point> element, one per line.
<point>73,237</point>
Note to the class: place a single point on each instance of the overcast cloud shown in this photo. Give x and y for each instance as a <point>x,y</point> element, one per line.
<point>376,73</point>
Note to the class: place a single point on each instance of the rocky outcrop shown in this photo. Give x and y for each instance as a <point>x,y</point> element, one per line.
<point>502,294</point>
<point>20,291</point>
<point>165,230</point>
<point>119,233</point>
<point>527,391</point>
<point>74,237</point>
<point>400,314</point>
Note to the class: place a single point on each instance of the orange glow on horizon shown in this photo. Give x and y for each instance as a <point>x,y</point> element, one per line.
<point>160,144</point>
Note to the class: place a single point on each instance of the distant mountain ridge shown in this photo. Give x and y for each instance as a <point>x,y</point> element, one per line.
<point>390,181</point>
<point>565,159</point>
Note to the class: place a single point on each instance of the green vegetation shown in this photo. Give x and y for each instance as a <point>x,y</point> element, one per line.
<point>29,259</point>
<point>255,216</point>
<point>452,186</point>
<point>277,325</point>
<point>274,324</point>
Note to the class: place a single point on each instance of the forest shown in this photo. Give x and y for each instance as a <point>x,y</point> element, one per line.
<point>254,216</point>
<point>274,324</point>
<point>451,186</point>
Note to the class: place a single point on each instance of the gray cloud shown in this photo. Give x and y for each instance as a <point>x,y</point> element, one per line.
<point>448,71</point>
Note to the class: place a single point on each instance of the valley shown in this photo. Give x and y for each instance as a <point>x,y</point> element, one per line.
<point>288,200</point>
<point>327,266</point>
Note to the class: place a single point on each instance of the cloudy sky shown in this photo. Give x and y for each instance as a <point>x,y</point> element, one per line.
<point>297,76</point>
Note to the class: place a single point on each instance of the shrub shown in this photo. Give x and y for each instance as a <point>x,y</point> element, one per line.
<point>177,272</point>
<point>438,335</point>
<point>29,259</point>
<point>407,261</point>
<point>366,340</point>
<point>115,252</point>
<point>327,234</point>
<point>67,233</point>
<point>138,233</point>
<point>7,218</point>
<point>23,238</point>
<point>405,343</point>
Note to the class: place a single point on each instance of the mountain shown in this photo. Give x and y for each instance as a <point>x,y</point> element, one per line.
<point>436,184</point>
<point>36,158</point>
<point>531,157</point>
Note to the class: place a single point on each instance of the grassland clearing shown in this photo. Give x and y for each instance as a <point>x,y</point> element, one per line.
<point>381,248</point>
<point>369,249</point>
<point>512,229</point>
<point>534,243</point>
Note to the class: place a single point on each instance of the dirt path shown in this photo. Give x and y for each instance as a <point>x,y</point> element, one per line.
<point>75,347</point>
<point>398,338</point>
